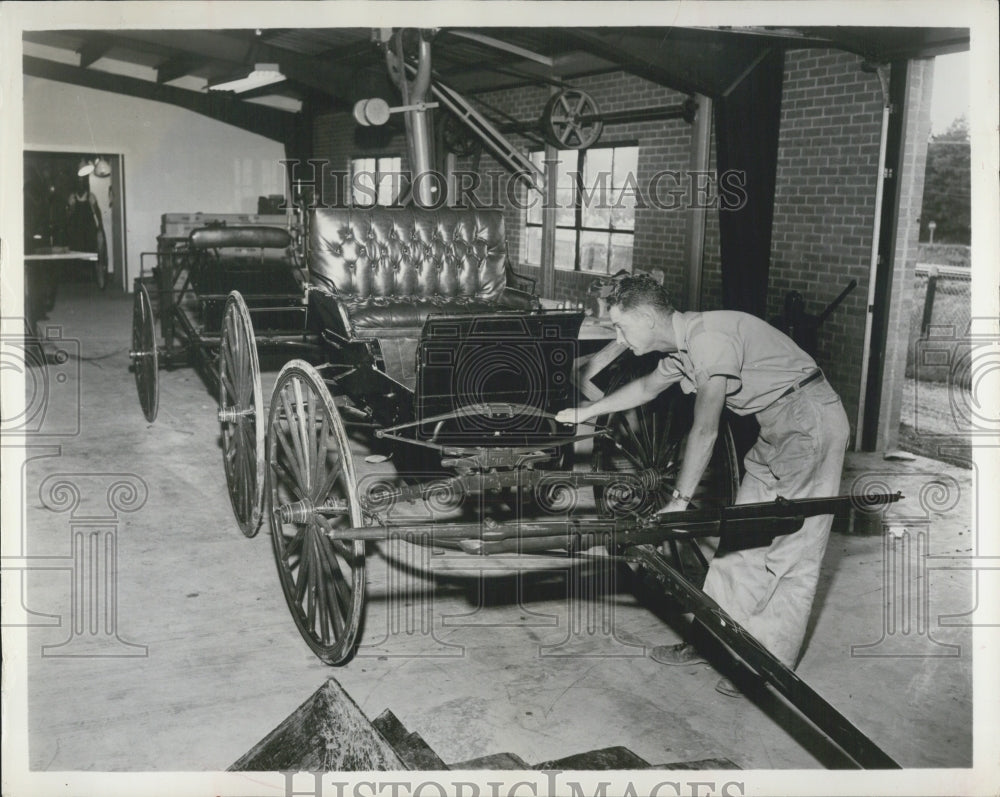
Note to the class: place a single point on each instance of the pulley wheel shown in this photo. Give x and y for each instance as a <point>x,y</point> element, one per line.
<point>571,120</point>
<point>374,111</point>
<point>459,138</point>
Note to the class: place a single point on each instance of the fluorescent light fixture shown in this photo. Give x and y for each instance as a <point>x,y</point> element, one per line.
<point>262,75</point>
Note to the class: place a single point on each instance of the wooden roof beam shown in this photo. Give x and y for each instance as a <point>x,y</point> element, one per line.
<point>177,67</point>
<point>262,120</point>
<point>93,49</point>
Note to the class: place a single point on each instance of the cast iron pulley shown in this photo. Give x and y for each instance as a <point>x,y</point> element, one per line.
<point>458,137</point>
<point>571,120</point>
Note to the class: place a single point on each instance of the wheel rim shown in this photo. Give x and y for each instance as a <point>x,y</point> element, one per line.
<point>145,358</point>
<point>241,413</point>
<point>570,120</point>
<point>653,436</point>
<point>310,465</point>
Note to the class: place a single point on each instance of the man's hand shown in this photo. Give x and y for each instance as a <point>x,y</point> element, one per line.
<point>574,415</point>
<point>675,505</point>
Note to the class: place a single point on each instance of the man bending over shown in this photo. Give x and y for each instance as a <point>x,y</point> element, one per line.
<point>736,360</point>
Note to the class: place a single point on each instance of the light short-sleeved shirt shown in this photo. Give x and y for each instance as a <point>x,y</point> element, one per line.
<point>759,362</point>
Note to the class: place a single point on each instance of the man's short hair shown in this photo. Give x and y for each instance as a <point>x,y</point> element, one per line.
<point>639,291</point>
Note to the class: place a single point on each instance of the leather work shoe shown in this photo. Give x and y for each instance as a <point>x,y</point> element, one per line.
<point>680,654</point>
<point>726,687</point>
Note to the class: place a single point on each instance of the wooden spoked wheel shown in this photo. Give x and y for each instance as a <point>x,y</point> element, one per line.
<point>312,492</point>
<point>571,120</point>
<point>144,355</point>
<point>652,437</point>
<point>241,415</point>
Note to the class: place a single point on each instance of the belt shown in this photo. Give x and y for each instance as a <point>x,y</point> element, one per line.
<point>814,376</point>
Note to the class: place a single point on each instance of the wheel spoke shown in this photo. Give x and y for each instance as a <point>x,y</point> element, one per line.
<point>648,451</point>
<point>320,452</point>
<point>295,459</point>
<point>302,577</point>
<point>339,603</point>
<point>228,386</point>
<point>338,565</point>
<point>323,489</point>
<point>294,547</point>
<point>288,480</point>
<point>319,592</point>
<point>304,431</point>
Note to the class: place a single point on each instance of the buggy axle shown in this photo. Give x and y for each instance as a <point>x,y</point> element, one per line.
<point>474,482</point>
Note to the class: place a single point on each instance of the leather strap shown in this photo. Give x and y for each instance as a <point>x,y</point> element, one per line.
<point>808,380</point>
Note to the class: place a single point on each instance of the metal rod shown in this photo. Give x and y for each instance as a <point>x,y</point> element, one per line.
<point>700,156</point>
<point>461,107</point>
<point>883,76</point>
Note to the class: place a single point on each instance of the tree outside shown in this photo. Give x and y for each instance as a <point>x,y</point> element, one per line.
<point>947,201</point>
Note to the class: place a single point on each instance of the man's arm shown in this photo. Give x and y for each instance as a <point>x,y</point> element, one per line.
<point>95,211</point>
<point>635,393</point>
<point>708,405</point>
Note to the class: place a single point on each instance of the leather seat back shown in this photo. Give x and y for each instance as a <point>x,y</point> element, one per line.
<point>242,237</point>
<point>408,253</point>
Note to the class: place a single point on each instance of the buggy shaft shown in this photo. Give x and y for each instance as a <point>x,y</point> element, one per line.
<point>845,734</point>
<point>759,521</point>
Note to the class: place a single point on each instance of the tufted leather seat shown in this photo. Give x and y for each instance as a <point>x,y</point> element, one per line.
<point>379,272</point>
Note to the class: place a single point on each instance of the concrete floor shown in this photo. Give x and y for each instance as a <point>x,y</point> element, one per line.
<point>477,661</point>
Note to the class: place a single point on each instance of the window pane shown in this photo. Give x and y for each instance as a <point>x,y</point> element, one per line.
<point>621,252</point>
<point>566,249</point>
<point>596,163</point>
<point>598,214</point>
<point>533,237</point>
<point>623,211</point>
<point>626,161</point>
<point>534,200</point>
<point>565,211</point>
<point>363,182</point>
<point>389,176</point>
<point>608,216</point>
<point>594,252</point>
<point>567,165</point>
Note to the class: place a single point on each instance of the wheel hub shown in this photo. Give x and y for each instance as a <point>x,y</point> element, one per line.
<point>297,511</point>
<point>232,414</point>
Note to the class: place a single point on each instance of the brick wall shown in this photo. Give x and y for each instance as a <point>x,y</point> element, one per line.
<point>824,205</point>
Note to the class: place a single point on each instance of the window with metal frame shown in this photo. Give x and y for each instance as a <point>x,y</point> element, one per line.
<point>595,210</point>
<point>376,180</point>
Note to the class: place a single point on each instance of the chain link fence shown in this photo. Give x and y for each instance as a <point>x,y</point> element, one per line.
<point>939,324</point>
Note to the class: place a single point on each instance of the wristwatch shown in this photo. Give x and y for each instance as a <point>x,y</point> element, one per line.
<point>677,495</point>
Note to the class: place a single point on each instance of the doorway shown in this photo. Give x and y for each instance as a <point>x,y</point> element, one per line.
<point>50,181</point>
